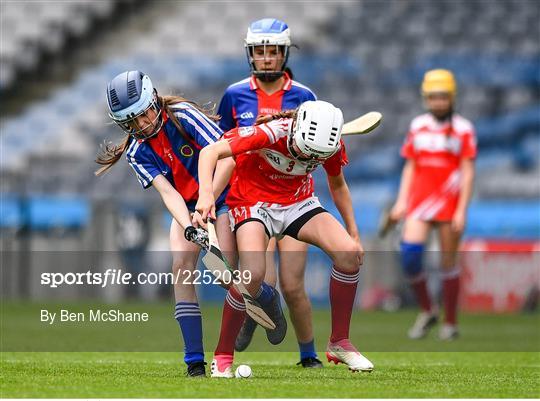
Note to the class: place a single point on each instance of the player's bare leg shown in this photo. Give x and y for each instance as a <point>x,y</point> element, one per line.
<point>292,262</point>
<point>415,234</point>
<point>271,275</point>
<point>185,255</point>
<point>187,311</point>
<point>248,328</point>
<point>220,366</point>
<point>324,231</point>
<point>416,231</point>
<point>292,258</point>
<point>254,257</point>
<point>227,239</point>
<point>449,241</point>
<point>250,236</point>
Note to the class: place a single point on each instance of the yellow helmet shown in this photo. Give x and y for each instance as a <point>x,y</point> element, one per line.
<point>439,81</point>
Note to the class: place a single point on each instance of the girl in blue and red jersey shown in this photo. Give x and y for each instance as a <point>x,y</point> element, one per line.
<point>162,145</point>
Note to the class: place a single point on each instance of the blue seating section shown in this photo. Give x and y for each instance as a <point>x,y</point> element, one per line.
<point>354,61</point>
<point>504,70</point>
<point>44,212</point>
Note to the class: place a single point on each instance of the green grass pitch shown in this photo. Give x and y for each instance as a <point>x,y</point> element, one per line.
<point>468,368</point>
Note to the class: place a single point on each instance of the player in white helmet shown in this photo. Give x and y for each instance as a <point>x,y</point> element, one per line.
<point>271,89</point>
<point>272,195</point>
<point>164,136</point>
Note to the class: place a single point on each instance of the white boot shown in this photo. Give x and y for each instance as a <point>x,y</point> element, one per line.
<point>424,322</point>
<point>344,352</point>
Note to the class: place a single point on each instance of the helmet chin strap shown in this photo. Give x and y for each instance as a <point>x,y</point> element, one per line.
<point>295,154</point>
<point>158,122</point>
<point>265,76</point>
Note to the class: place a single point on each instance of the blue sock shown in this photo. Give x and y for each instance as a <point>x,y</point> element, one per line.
<point>307,349</point>
<point>265,294</point>
<point>188,316</point>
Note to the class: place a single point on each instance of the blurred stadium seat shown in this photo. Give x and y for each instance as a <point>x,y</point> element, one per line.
<point>365,55</point>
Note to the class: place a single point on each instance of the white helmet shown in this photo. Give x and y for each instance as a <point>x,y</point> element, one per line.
<point>317,130</point>
<point>268,31</point>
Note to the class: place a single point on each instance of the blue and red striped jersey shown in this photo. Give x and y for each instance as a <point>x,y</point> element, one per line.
<point>243,101</point>
<point>173,154</point>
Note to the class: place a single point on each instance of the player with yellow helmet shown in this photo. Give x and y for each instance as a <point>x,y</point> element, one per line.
<point>436,187</point>
<point>439,81</point>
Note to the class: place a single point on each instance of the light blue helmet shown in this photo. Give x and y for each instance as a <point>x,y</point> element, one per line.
<point>129,95</point>
<point>267,32</point>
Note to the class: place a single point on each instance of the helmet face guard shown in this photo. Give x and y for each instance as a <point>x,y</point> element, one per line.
<point>131,95</point>
<point>292,150</point>
<point>130,126</point>
<point>292,147</point>
<point>271,34</point>
<point>312,153</point>
<point>316,131</point>
<point>266,76</point>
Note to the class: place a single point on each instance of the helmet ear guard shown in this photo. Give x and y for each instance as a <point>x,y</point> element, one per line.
<point>317,130</point>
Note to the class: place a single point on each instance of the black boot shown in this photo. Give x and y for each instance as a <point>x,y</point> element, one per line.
<point>245,335</point>
<point>196,369</point>
<point>274,312</point>
<point>310,362</point>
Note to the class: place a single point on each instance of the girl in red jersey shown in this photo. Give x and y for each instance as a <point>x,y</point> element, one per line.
<point>272,195</point>
<point>436,187</point>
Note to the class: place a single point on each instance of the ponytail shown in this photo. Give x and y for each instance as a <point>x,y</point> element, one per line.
<point>262,119</point>
<point>166,102</point>
<point>109,154</point>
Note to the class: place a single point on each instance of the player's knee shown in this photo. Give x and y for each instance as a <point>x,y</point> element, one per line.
<point>255,279</point>
<point>411,258</point>
<point>176,265</point>
<point>292,293</point>
<point>181,264</point>
<point>349,264</point>
<point>347,258</point>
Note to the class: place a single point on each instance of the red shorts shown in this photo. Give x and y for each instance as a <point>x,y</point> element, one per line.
<point>435,205</point>
<point>430,209</point>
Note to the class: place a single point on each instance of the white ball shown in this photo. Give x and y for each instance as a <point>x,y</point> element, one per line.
<point>242,372</point>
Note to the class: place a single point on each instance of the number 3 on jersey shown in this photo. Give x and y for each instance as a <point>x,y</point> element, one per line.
<point>291,166</point>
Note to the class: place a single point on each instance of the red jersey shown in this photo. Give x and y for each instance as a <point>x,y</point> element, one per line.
<point>267,172</point>
<point>437,149</point>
